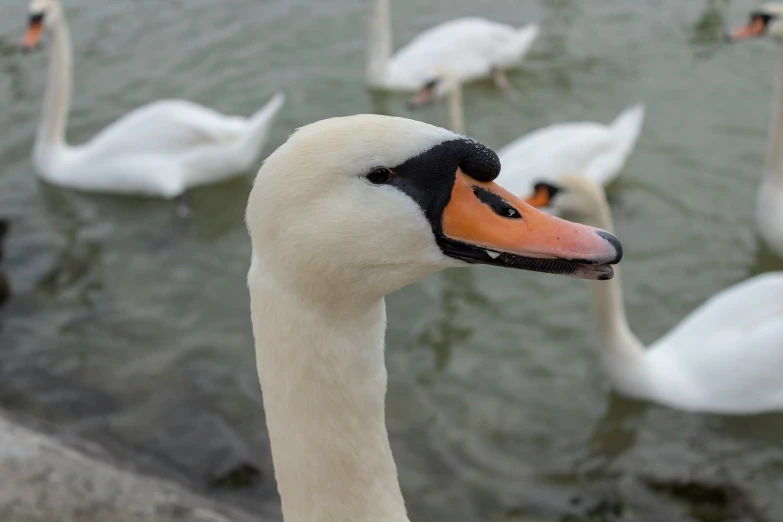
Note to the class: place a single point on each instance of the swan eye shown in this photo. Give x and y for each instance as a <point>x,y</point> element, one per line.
<point>379,176</point>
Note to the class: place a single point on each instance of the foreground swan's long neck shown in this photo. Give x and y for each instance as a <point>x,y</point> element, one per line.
<point>323,379</point>
<point>379,43</point>
<point>774,168</point>
<point>50,137</point>
<point>621,346</point>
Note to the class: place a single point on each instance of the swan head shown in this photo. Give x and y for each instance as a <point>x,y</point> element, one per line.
<point>373,203</point>
<point>43,14</point>
<point>443,83</point>
<point>571,194</point>
<point>766,20</point>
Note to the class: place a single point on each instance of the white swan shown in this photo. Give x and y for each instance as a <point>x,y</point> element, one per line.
<point>725,357</point>
<point>160,149</point>
<point>593,150</point>
<point>472,48</point>
<point>768,20</point>
<point>336,223</point>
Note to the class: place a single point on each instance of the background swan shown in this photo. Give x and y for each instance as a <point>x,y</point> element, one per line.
<point>471,48</point>
<point>337,223</point>
<point>160,149</point>
<point>768,20</point>
<point>593,150</point>
<point>725,357</point>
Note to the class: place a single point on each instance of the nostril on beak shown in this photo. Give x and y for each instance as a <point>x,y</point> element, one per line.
<point>618,247</point>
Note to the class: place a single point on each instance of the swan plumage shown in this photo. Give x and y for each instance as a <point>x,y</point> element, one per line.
<point>594,150</point>
<point>470,47</point>
<point>160,149</point>
<point>590,149</point>
<point>724,357</point>
<point>346,211</point>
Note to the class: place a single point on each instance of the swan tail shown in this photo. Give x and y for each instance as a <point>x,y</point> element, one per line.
<point>623,133</point>
<point>627,127</point>
<point>268,111</point>
<point>259,125</point>
<point>524,38</point>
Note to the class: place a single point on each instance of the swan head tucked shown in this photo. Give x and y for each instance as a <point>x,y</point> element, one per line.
<point>572,195</point>
<point>766,20</point>
<point>369,204</point>
<point>43,14</point>
<point>443,83</point>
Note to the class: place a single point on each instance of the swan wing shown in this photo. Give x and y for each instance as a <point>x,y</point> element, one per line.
<point>591,149</point>
<point>467,47</point>
<point>546,154</point>
<point>166,127</point>
<point>731,347</point>
<point>741,307</point>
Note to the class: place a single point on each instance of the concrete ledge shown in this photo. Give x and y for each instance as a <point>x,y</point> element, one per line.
<point>45,480</point>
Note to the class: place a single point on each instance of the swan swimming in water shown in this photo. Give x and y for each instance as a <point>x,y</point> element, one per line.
<point>767,20</point>
<point>472,48</point>
<point>336,223</point>
<point>724,357</point>
<point>160,149</point>
<point>594,150</point>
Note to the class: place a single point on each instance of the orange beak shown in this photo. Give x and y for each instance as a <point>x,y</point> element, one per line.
<point>493,226</point>
<point>33,35</point>
<point>540,198</point>
<point>756,27</point>
<point>423,97</point>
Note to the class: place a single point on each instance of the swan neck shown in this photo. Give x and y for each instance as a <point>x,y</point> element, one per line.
<point>379,43</point>
<point>618,340</point>
<point>323,380</point>
<point>456,109</point>
<point>50,138</point>
<point>774,167</point>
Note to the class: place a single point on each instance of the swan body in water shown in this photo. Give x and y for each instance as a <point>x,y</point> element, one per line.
<point>593,150</point>
<point>160,149</point>
<point>767,20</point>
<point>724,357</point>
<point>472,48</point>
<point>336,223</point>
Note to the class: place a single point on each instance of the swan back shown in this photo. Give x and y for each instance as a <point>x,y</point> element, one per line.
<point>593,150</point>
<point>470,47</point>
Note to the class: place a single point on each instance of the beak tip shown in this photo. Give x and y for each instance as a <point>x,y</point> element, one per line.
<point>727,38</point>
<point>411,105</point>
<point>612,240</point>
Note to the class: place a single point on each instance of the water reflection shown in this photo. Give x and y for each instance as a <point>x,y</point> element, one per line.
<point>613,435</point>
<point>9,52</point>
<point>5,287</point>
<point>711,26</point>
<point>459,295</point>
<point>75,273</point>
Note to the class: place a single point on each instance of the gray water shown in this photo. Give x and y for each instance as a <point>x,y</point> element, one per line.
<point>124,333</point>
